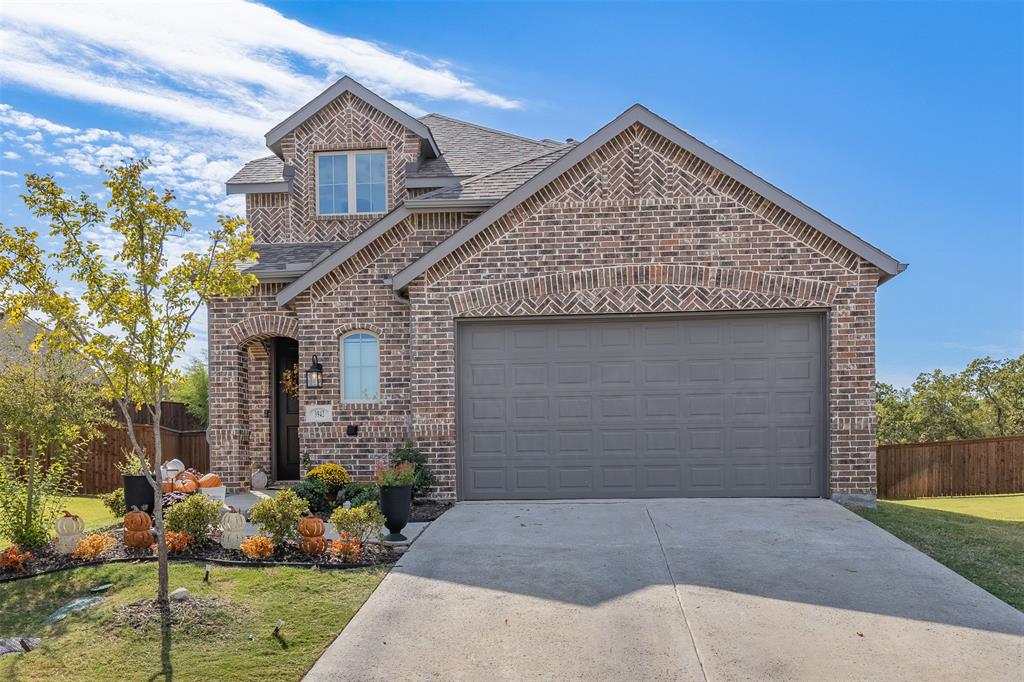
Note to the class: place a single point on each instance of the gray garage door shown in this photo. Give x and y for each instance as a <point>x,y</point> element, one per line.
<point>641,407</point>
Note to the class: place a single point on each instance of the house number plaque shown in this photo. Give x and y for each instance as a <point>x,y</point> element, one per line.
<point>318,413</point>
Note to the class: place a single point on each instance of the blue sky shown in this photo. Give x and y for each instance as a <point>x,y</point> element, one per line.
<point>903,122</point>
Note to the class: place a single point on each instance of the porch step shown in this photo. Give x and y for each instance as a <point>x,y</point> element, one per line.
<point>281,485</point>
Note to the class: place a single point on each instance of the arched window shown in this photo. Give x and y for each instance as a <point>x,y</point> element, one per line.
<point>360,367</point>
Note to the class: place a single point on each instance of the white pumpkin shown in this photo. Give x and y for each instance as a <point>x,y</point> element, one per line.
<point>232,526</point>
<point>70,530</point>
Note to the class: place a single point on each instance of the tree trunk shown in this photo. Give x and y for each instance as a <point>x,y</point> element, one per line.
<point>158,513</point>
<point>30,488</point>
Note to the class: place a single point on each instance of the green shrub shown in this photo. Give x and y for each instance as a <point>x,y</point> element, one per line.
<point>279,516</point>
<point>409,454</point>
<point>114,501</point>
<point>359,493</point>
<point>362,522</point>
<point>194,516</point>
<point>332,475</point>
<point>314,492</point>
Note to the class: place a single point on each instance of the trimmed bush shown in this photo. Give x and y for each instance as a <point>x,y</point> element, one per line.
<point>362,523</point>
<point>194,517</point>
<point>279,516</point>
<point>114,501</point>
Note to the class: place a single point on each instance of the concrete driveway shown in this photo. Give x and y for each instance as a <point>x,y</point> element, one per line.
<point>672,590</point>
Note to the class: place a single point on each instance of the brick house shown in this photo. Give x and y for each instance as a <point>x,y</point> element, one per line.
<point>632,315</point>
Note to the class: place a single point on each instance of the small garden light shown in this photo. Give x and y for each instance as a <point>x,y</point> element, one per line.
<point>315,374</point>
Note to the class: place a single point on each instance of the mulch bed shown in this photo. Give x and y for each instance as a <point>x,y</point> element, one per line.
<point>47,560</point>
<point>428,510</point>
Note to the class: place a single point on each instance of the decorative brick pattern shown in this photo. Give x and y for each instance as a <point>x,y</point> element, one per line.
<point>347,123</point>
<point>640,226</point>
<point>269,217</point>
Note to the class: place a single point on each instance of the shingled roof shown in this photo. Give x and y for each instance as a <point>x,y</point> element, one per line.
<point>265,174</point>
<point>495,184</point>
<point>288,261</point>
<point>468,149</point>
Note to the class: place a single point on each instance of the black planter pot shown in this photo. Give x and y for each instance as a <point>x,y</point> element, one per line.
<point>138,493</point>
<point>396,505</point>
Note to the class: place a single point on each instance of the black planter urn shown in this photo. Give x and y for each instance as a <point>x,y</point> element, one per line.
<point>138,493</point>
<point>396,505</point>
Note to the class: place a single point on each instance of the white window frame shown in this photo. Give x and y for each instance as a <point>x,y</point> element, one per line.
<point>341,368</point>
<point>352,181</point>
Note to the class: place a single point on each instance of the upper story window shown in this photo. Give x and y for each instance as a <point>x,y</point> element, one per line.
<point>349,183</point>
<point>360,367</point>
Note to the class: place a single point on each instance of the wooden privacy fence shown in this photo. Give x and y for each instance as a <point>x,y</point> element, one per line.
<point>99,473</point>
<point>983,466</point>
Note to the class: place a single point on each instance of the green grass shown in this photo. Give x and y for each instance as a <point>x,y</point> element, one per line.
<point>236,644</point>
<point>996,507</point>
<point>978,537</point>
<point>90,508</point>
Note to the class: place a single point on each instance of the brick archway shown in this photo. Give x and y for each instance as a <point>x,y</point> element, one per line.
<point>639,288</point>
<point>260,327</point>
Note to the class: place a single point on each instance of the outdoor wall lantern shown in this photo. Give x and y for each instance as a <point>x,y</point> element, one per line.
<point>315,374</point>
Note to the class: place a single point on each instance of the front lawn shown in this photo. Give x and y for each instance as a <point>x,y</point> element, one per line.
<point>231,638</point>
<point>90,508</point>
<point>975,536</point>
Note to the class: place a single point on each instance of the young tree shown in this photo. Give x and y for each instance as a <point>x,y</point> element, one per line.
<point>194,391</point>
<point>128,316</point>
<point>49,409</point>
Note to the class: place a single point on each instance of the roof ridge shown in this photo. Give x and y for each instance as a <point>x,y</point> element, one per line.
<point>481,127</point>
<point>481,176</point>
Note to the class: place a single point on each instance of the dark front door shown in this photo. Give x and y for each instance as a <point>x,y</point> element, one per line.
<point>286,410</point>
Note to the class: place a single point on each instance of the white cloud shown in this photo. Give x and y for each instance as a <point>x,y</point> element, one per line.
<point>12,155</point>
<point>20,119</point>
<point>7,173</point>
<point>236,67</point>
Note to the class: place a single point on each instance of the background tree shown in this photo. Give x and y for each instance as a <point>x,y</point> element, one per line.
<point>194,391</point>
<point>50,408</point>
<point>985,399</point>
<point>128,317</point>
<point>1000,386</point>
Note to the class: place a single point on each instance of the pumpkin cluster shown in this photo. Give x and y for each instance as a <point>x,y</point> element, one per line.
<point>312,528</point>
<point>138,529</point>
<point>189,481</point>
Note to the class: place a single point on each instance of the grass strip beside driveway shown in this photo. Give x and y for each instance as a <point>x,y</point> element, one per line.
<point>987,551</point>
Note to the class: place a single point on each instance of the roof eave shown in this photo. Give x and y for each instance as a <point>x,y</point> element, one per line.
<point>257,187</point>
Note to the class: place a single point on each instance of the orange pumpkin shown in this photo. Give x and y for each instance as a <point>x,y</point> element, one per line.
<point>138,538</point>
<point>167,486</point>
<point>187,475</point>
<point>210,481</point>
<point>313,545</point>
<point>137,520</point>
<point>311,526</point>
<point>187,486</point>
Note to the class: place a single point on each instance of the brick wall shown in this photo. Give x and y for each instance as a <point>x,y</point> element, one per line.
<point>639,226</point>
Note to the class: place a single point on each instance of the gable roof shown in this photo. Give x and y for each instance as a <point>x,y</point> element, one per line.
<point>468,149</point>
<point>348,84</point>
<point>640,114</point>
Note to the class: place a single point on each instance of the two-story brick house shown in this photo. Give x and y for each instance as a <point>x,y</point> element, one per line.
<point>632,315</point>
